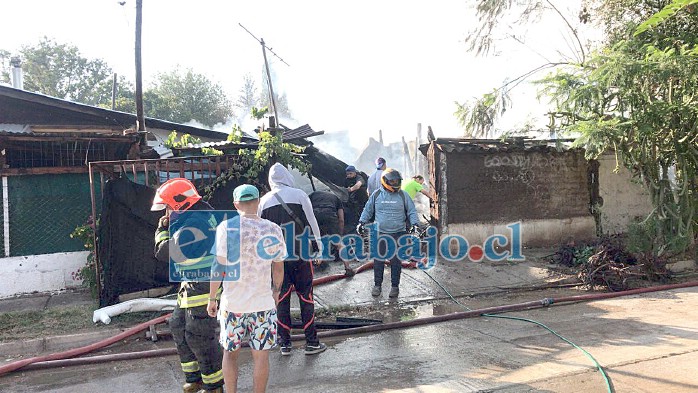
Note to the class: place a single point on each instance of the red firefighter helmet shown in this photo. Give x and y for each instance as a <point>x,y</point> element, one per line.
<point>179,194</point>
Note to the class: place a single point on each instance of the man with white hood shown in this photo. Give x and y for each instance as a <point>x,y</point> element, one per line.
<point>289,207</point>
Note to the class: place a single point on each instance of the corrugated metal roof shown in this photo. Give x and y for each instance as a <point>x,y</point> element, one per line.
<point>460,145</point>
<point>7,135</point>
<point>301,132</point>
<point>289,135</point>
<point>79,113</point>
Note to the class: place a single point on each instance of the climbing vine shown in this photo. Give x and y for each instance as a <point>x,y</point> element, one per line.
<point>254,162</point>
<point>187,140</point>
<point>87,273</point>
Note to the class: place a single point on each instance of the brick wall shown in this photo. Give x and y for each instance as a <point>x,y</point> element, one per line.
<point>509,186</point>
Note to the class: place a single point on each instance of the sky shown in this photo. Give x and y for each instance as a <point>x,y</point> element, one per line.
<point>359,66</point>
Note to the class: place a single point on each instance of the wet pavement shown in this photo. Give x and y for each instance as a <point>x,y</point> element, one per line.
<point>647,343</point>
<point>632,337</point>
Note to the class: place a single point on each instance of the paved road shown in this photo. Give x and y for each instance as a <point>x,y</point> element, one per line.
<point>647,343</point>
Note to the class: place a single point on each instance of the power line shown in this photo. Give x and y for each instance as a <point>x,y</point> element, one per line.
<point>263,44</point>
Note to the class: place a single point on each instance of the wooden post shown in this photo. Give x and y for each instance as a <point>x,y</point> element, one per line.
<point>312,183</point>
<point>140,117</point>
<point>417,168</point>
<point>98,272</point>
<point>113,93</point>
<point>271,88</point>
<point>406,155</point>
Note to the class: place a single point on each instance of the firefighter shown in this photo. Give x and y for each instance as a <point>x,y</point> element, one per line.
<point>193,330</point>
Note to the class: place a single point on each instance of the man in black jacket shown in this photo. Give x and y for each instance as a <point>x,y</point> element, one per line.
<point>355,183</point>
<point>329,213</point>
<point>290,208</point>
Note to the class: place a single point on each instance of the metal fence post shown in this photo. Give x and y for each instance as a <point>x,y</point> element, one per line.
<point>94,230</point>
<point>6,215</point>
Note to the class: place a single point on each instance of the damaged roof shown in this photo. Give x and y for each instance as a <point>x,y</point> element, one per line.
<point>66,137</point>
<point>24,107</point>
<point>296,136</point>
<point>517,144</point>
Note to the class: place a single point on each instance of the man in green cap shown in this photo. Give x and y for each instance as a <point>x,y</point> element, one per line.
<point>250,252</point>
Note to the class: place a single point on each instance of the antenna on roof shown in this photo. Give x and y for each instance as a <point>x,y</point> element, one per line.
<point>266,65</point>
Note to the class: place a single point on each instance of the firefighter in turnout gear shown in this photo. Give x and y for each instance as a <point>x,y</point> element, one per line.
<point>194,332</point>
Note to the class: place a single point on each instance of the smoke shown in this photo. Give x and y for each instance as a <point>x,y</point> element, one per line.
<point>338,144</point>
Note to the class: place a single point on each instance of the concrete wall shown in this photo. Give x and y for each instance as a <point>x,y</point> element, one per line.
<point>624,199</point>
<point>40,273</point>
<point>480,193</point>
<point>534,233</point>
<point>512,186</point>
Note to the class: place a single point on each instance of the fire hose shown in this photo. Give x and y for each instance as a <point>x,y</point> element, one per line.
<point>61,359</point>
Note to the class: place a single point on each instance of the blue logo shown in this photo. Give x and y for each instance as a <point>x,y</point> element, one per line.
<point>205,246</point>
<point>193,248</point>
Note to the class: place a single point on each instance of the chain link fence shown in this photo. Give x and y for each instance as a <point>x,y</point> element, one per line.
<point>2,224</point>
<point>44,210</point>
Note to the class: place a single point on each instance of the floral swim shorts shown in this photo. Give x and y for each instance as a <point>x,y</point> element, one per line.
<point>260,325</point>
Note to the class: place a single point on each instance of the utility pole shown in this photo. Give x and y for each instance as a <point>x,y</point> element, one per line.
<point>140,118</point>
<point>266,67</point>
<point>271,89</point>
<point>113,92</point>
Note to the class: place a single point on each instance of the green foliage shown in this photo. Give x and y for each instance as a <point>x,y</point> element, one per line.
<point>235,135</point>
<point>619,19</point>
<point>641,239</point>
<point>187,140</point>
<point>492,14</point>
<point>254,162</point>
<point>259,113</point>
<point>125,97</point>
<point>635,96</point>
<point>478,117</point>
<point>184,96</point>
<point>640,101</point>
<point>660,17</point>
<point>60,70</point>
<point>87,273</point>
<point>4,66</point>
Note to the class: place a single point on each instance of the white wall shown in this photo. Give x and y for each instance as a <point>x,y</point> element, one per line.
<point>40,273</point>
<point>624,199</point>
<point>534,233</point>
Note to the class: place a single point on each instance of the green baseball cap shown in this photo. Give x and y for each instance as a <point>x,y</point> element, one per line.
<point>245,192</point>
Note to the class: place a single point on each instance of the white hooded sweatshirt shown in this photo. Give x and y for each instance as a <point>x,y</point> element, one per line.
<point>282,183</point>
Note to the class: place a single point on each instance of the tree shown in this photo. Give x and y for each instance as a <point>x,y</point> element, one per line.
<point>248,96</point>
<point>635,96</point>
<point>125,96</point>
<point>59,70</point>
<point>506,21</point>
<point>4,66</point>
<point>184,96</point>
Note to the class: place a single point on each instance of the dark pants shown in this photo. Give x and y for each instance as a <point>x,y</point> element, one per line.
<point>298,274</point>
<point>395,263</point>
<point>200,354</point>
<point>352,212</point>
<point>328,222</point>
